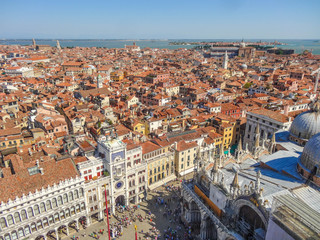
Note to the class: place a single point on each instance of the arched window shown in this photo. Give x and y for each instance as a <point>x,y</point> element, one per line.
<point>14,235</point>
<point>20,232</point>
<point>36,210</point>
<point>83,206</point>
<point>54,203</point>
<point>67,212</point>
<point>72,211</point>
<point>90,199</point>
<point>94,197</point>
<point>10,220</point>
<point>45,222</point>
<point>3,223</point>
<point>17,217</point>
<point>70,196</point>
<point>23,214</point>
<point>42,207</point>
<point>51,220</point>
<point>39,224</point>
<point>76,194</point>
<point>65,198</point>
<point>81,192</point>
<point>7,237</point>
<point>48,204</point>
<point>62,216</point>
<point>33,227</point>
<point>27,230</point>
<point>56,217</point>
<point>78,208</point>
<point>30,212</point>
<point>59,200</point>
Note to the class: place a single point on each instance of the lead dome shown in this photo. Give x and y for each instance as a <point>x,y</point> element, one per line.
<point>310,157</point>
<point>306,125</point>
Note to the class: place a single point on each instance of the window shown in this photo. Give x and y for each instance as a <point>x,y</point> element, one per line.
<point>54,202</point>
<point>48,203</point>
<point>59,200</point>
<point>36,210</point>
<point>81,192</point>
<point>20,233</point>
<point>27,230</point>
<point>76,194</point>
<point>24,214</point>
<point>3,223</point>
<point>33,227</point>
<point>65,198</point>
<point>67,213</point>
<point>51,219</point>
<point>72,211</point>
<point>181,166</point>
<point>62,216</point>
<point>56,217</point>
<point>45,222</point>
<point>17,217</point>
<point>30,212</point>
<point>150,172</point>
<point>39,224</point>
<point>14,235</point>
<point>10,220</point>
<point>42,207</point>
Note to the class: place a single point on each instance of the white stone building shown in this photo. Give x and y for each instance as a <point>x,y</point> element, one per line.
<point>268,121</point>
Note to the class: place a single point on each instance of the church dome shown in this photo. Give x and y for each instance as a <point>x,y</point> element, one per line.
<point>310,157</point>
<point>306,124</point>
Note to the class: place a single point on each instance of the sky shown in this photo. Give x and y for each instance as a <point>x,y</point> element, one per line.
<point>165,19</point>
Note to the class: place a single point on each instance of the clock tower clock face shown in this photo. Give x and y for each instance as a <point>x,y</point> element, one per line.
<point>119,184</point>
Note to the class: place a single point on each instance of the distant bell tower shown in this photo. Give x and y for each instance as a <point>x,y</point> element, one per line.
<point>34,43</point>
<point>99,82</point>
<point>225,61</point>
<point>58,45</point>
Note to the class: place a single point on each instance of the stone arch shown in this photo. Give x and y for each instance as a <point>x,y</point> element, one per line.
<point>209,229</point>
<point>63,229</point>
<point>120,200</point>
<point>40,237</point>
<point>250,215</point>
<point>194,218</point>
<point>50,233</point>
<point>7,236</point>
<point>14,235</point>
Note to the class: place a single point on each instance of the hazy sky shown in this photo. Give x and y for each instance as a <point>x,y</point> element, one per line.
<point>163,19</point>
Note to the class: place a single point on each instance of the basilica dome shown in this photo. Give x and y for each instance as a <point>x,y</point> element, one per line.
<point>306,124</point>
<point>310,157</point>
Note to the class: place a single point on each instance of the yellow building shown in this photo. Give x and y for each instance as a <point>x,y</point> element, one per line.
<point>229,128</point>
<point>139,127</point>
<point>117,76</point>
<point>185,154</point>
<point>160,161</point>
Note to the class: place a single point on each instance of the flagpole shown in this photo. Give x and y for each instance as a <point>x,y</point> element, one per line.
<point>135,227</point>
<point>105,193</point>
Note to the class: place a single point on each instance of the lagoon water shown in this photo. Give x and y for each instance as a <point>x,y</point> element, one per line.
<point>298,45</point>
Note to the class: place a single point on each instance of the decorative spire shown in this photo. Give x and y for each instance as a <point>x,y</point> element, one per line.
<point>235,182</point>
